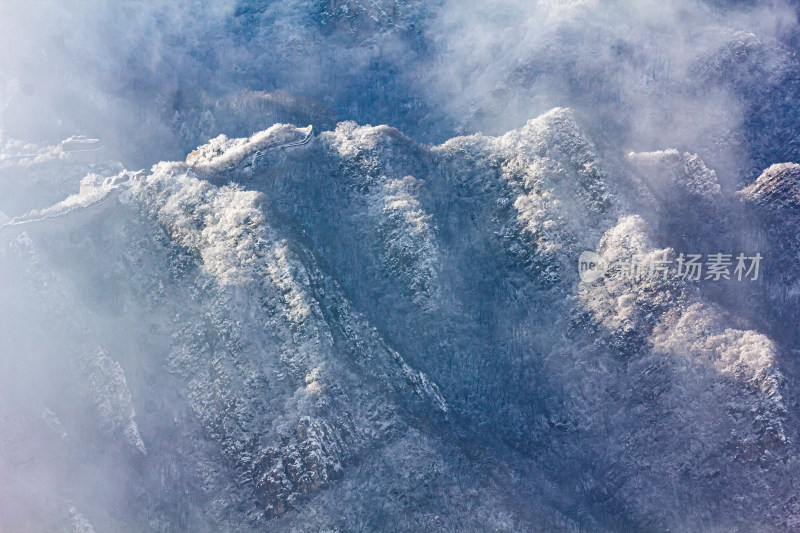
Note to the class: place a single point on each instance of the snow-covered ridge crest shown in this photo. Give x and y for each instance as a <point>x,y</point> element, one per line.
<point>553,195</point>
<point>778,185</point>
<point>24,153</point>
<point>224,226</point>
<point>222,153</point>
<point>96,192</point>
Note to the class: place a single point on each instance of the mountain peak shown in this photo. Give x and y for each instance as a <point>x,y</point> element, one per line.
<point>778,186</point>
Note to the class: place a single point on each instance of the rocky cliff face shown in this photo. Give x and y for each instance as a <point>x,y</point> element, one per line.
<point>351,330</point>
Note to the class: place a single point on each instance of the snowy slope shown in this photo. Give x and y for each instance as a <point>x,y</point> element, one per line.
<point>293,320</point>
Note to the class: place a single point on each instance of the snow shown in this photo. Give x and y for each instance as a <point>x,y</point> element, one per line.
<point>222,153</point>
<point>112,399</point>
<point>686,171</point>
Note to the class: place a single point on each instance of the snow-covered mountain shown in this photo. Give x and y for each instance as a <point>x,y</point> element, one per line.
<point>556,289</point>
<point>352,330</point>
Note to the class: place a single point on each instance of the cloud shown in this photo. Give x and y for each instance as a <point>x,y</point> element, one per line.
<point>629,67</point>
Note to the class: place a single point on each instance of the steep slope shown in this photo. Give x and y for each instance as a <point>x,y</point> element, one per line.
<point>496,226</point>
<point>289,321</point>
<point>772,201</point>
